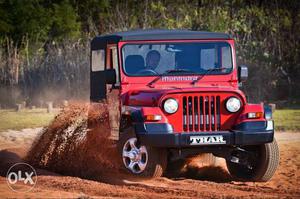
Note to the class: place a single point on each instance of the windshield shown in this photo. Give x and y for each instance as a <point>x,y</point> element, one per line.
<point>154,59</point>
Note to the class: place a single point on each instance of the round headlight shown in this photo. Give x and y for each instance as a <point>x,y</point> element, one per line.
<point>233,104</point>
<point>170,106</point>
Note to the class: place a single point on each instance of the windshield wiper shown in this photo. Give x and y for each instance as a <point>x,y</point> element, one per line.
<point>168,72</point>
<point>206,73</point>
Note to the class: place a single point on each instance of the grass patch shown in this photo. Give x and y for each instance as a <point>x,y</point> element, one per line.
<point>287,119</point>
<point>10,119</point>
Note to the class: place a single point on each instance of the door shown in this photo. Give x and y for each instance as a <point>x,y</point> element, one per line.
<point>113,91</point>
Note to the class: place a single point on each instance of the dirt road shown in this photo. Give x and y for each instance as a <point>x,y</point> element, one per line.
<point>217,183</point>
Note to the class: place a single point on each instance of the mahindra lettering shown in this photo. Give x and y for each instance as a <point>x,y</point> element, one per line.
<point>174,94</point>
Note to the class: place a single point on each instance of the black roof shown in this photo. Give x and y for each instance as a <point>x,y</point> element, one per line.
<point>154,34</point>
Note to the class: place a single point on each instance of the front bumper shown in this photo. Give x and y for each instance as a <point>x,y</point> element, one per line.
<point>162,135</point>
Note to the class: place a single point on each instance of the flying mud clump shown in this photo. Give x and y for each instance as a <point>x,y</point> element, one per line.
<point>77,143</point>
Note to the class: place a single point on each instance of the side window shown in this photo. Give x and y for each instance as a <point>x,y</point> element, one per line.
<point>98,60</point>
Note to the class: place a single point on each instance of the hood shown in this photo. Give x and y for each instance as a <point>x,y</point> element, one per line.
<point>151,97</point>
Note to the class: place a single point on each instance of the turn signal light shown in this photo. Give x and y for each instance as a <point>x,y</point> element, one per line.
<point>153,117</point>
<point>255,115</point>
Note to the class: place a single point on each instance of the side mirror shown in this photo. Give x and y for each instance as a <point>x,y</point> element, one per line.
<point>110,76</point>
<point>242,73</point>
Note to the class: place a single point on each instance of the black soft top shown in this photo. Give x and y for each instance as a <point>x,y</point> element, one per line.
<point>100,42</point>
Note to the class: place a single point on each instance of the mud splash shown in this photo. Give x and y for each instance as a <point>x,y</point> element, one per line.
<point>77,143</point>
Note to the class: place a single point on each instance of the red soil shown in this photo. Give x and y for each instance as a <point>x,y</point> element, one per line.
<point>68,148</point>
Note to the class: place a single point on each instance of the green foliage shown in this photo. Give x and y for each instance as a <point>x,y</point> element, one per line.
<point>65,24</point>
<point>5,24</point>
<point>24,19</point>
<point>266,32</point>
<point>33,20</point>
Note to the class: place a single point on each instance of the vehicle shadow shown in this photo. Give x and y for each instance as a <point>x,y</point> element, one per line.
<point>180,169</point>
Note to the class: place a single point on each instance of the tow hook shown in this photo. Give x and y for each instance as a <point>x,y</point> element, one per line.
<point>234,159</point>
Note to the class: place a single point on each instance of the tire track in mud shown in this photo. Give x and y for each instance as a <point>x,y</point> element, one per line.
<point>159,188</point>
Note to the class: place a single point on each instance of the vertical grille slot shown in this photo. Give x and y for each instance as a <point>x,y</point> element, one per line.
<point>207,110</point>
<point>196,114</point>
<point>184,119</point>
<point>218,116</point>
<point>213,114</point>
<point>190,112</point>
<point>201,113</point>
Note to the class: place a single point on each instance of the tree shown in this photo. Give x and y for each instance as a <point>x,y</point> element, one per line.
<point>65,22</point>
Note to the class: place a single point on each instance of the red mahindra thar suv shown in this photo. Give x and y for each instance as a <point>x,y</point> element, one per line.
<point>174,94</point>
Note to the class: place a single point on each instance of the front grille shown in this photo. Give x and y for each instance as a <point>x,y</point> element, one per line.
<point>201,113</point>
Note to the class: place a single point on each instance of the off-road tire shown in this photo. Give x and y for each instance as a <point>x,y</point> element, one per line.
<point>157,157</point>
<point>266,166</point>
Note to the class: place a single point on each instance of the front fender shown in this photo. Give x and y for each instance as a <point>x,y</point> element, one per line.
<point>251,108</point>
